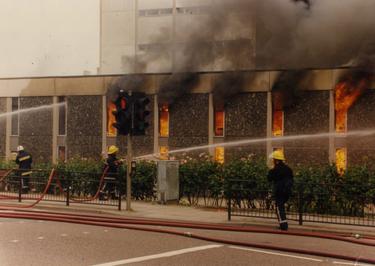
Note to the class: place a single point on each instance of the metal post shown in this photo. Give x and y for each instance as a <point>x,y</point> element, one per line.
<point>128,175</point>
<point>300,207</point>
<point>20,188</point>
<point>68,193</point>
<point>229,208</point>
<point>119,188</point>
<point>230,201</point>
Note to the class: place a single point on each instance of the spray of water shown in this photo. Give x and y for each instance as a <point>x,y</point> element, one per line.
<point>33,109</point>
<point>358,133</point>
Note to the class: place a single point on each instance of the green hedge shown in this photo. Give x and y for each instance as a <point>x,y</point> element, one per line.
<point>205,182</point>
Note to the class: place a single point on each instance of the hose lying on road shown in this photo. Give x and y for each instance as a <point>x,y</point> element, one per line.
<point>197,225</point>
<point>116,223</point>
<point>50,178</point>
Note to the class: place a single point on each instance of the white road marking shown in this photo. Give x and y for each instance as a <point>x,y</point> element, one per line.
<point>106,231</point>
<point>15,241</point>
<point>351,263</point>
<point>86,233</point>
<point>157,256</point>
<point>40,238</point>
<point>63,235</point>
<point>276,254</point>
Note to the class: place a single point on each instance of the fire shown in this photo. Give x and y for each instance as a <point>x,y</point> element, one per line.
<point>277,123</point>
<point>277,115</point>
<point>111,131</point>
<point>341,160</point>
<point>164,120</point>
<point>220,155</point>
<point>346,93</point>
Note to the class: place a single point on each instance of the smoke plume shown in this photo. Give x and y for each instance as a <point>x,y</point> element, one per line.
<point>236,35</point>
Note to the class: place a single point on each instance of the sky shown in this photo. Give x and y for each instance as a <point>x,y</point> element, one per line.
<point>42,38</point>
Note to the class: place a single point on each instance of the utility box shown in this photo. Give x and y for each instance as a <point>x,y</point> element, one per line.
<point>168,184</point>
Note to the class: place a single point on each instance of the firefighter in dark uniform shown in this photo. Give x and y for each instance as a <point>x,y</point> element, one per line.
<point>113,164</point>
<point>24,161</point>
<point>281,176</point>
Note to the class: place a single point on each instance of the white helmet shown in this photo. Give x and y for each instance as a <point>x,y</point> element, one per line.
<point>20,148</point>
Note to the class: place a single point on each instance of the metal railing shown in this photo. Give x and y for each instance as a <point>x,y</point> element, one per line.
<point>321,203</point>
<point>66,186</point>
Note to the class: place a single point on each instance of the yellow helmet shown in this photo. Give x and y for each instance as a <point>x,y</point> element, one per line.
<point>278,155</point>
<point>112,149</point>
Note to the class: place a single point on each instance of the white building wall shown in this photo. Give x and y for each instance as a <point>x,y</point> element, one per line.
<point>49,37</point>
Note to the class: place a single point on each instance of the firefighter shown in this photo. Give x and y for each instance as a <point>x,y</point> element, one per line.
<point>24,161</point>
<point>111,177</point>
<point>281,176</point>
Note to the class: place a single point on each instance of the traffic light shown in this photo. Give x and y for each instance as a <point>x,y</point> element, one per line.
<point>123,113</point>
<point>140,124</point>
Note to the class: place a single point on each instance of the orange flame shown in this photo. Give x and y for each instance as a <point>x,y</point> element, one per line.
<point>346,93</point>
<point>277,114</point>
<point>277,123</point>
<point>341,160</point>
<point>164,121</point>
<point>111,131</point>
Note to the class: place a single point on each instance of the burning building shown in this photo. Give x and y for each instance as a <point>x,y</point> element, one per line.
<point>189,54</point>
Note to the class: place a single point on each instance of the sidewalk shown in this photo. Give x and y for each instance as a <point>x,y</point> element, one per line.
<point>152,210</point>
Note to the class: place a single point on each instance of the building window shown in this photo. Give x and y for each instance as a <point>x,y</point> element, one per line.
<point>219,154</point>
<point>61,153</point>
<point>15,117</point>
<point>111,130</point>
<point>164,121</point>
<point>163,150</point>
<point>219,122</point>
<point>155,12</point>
<point>341,160</point>
<point>278,123</point>
<point>62,116</point>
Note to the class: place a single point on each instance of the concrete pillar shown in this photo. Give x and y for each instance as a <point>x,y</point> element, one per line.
<point>332,129</point>
<point>156,124</point>
<point>211,124</point>
<point>8,126</point>
<point>269,123</point>
<point>104,124</point>
<point>55,129</point>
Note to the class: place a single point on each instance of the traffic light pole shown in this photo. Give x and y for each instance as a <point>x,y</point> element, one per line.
<point>128,173</point>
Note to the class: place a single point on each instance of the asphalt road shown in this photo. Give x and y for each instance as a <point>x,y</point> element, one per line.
<point>27,242</point>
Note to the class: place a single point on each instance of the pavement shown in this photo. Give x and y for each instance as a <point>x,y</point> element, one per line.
<point>153,210</point>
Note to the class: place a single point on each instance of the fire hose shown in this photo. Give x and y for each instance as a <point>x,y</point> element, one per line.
<point>88,198</point>
<point>124,224</point>
<point>50,178</point>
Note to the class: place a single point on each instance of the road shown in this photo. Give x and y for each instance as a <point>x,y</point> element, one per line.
<point>28,242</point>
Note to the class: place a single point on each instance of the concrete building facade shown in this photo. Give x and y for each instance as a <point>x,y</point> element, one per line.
<point>153,39</point>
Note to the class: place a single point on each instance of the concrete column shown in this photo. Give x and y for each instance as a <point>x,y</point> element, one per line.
<point>269,122</point>
<point>104,124</point>
<point>136,17</point>
<point>211,124</point>
<point>156,124</point>
<point>55,129</point>
<point>332,129</point>
<point>8,126</point>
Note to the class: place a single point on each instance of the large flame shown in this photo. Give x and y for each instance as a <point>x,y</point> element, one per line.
<point>111,131</point>
<point>277,114</point>
<point>346,93</point>
<point>341,160</point>
<point>219,155</point>
<point>164,121</point>
<point>277,123</point>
